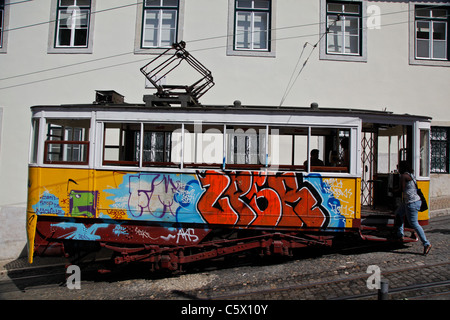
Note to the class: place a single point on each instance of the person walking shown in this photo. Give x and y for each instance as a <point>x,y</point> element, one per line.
<point>410,206</point>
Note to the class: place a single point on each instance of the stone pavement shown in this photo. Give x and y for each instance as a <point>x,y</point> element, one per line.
<point>324,274</point>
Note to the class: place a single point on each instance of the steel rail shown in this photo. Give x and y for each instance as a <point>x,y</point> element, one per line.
<point>346,279</point>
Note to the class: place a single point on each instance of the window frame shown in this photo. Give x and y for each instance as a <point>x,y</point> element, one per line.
<point>2,19</point>
<point>66,142</point>
<point>424,152</point>
<point>170,156</point>
<point>431,21</point>
<point>125,129</point>
<point>253,12</point>
<point>140,14</point>
<point>160,9</point>
<point>195,134</point>
<point>413,59</point>
<point>293,134</point>
<point>84,10</point>
<point>232,50</point>
<point>49,143</point>
<point>4,23</point>
<point>362,26</point>
<point>241,151</point>
<point>142,130</point>
<point>53,46</point>
<point>343,16</point>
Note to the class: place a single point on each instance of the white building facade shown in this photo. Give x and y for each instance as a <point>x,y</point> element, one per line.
<point>374,55</point>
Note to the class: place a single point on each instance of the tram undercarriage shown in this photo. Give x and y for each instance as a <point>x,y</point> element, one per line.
<point>212,244</point>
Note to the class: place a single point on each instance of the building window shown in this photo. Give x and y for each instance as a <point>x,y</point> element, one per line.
<point>431,25</point>
<point>344,28</point>
<point>252,25</point>
<point>2,13</point>
<point>439,149</point>
<point>72,26</point>
<point>160,23</point>
<point>4,24</point>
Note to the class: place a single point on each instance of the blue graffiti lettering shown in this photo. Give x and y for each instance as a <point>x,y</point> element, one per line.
<point>48,204</point>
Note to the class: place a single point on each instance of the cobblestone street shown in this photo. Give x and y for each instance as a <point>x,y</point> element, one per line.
<point>325,274</point>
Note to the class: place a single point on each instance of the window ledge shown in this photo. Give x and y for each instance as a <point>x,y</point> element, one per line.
<point>250,53</point>
<point>153,51</point>
<point>70,50</point>
<point>342,57</point>
<point>425,62</point>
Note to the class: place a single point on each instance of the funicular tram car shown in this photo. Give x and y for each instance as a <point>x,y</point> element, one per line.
<point>173,185</point>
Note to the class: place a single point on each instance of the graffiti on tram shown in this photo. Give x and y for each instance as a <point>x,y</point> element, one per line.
<point>238,198</point>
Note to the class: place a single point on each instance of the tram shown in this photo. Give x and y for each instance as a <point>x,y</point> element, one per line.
<point>153,182</point>
<point>171,181</point>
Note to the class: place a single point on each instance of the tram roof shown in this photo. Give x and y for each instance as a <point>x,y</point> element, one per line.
<point>366,115</point>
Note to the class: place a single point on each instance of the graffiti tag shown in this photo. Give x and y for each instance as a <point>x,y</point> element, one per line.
<point>48,204</point>
<point>255,198</point>
<point>187,235</point>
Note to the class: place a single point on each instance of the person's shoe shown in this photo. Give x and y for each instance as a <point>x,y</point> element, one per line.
<point>426,249</point>
<point>397,238</point>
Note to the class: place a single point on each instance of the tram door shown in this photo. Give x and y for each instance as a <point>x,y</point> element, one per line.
<point>382,149</point>
<point>368,164</point>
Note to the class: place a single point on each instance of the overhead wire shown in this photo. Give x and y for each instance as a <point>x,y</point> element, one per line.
<point>292,81</point>
<point>125,53</point>
<point>194,40</point>
<point>292,75</point>
<point>288,88</point>
<point>74,73</point>
<point>17,2</point>
<point>56,20</point>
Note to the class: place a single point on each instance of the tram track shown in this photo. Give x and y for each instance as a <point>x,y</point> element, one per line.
<point>31,282</point>
<point>295,290</point>
<point>393,293</point>
<point>47,276</point>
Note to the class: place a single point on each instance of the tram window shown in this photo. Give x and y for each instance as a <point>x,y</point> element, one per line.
<point>424,153</point>
<point>288,147</point>
<point>387,159</point>
<point>121,144</point>
<point>162,145</point>
<point>67,141</point>
<point>34,140</point>
<point>333,148</point>
<point>393,146</point>
<point>246,146</point>
<point>388,148</point>
<point>203,145</point>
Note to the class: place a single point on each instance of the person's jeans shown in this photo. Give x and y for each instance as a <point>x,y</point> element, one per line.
<point>411,210</point>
